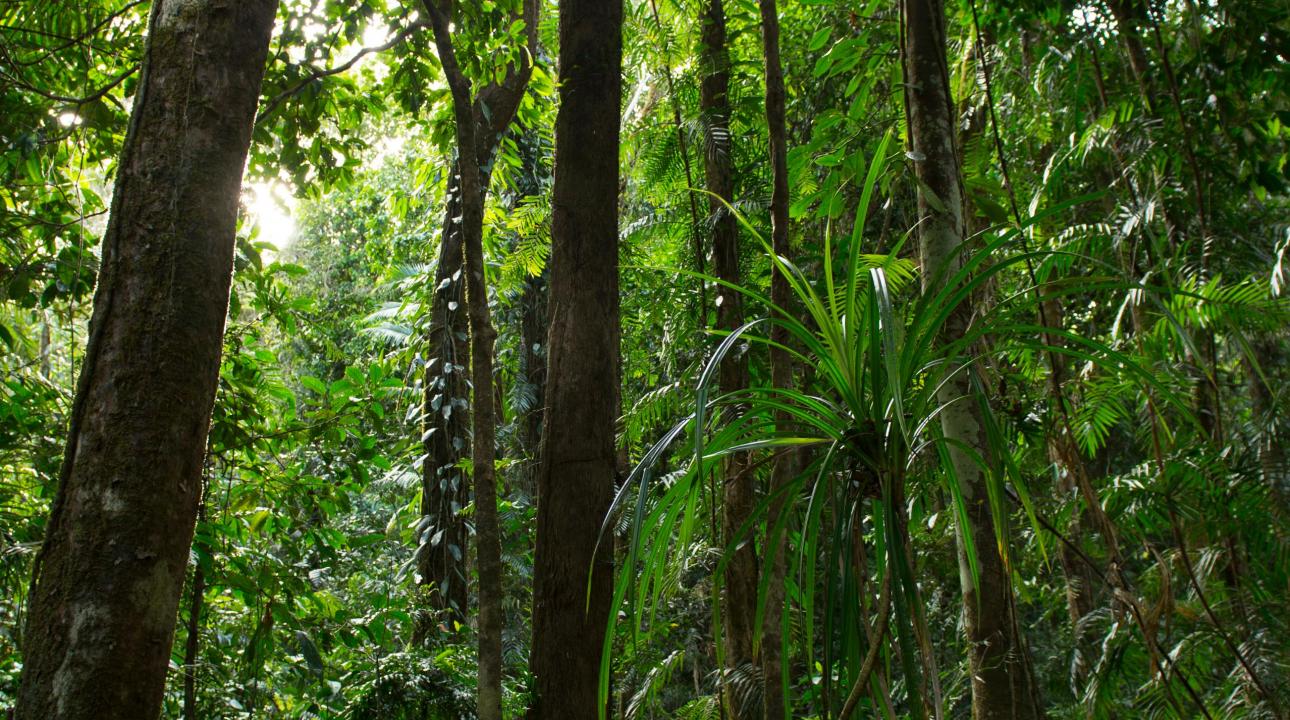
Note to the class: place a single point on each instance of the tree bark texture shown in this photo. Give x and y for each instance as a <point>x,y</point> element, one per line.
<point>111,570</point>
<point>783,467</point>
<point>739,498</point>
<point>1002,682</point>
<point>573,566</point>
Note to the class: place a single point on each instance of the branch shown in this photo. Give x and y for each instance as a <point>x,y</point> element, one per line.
<point>458,83</point>
<point>317,75</point>
<point>70,41</point>
<point>76,101</point>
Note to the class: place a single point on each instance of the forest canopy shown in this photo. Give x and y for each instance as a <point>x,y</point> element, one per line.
<point>579,359</point>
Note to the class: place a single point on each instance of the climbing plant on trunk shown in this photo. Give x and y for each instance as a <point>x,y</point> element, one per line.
<point>482,337</point>
<point>444,491</point>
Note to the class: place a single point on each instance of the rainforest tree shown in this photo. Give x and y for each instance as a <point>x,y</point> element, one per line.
<point>108,577</point>
<point>432,359</point>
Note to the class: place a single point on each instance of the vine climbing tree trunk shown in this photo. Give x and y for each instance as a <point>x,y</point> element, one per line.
<point>472,176</point>
<point>111,570</point>
<point>573,567</point>
<point>443,543</point>
<point>446,430</point>
<point>1002,682</point>
<point>783,467</point>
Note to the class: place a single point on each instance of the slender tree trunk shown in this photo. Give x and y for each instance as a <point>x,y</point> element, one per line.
<point>701,306</point>
<point>1129,14</point>
<point>1260,363</point>
<point>783,467</point>
<point>740,578</point>
<point>473,177</point>
<point>576,480</point>
<point>110,573</point>
<point>444,491</point>
<point>193,643</point>
<point>1002,683</point>
<point>533,330</point>
<point>533,336</point>
<point>46,344</point>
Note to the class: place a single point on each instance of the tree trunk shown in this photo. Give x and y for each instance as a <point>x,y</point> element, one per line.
<point>533,329</point>
<point>193,643</point>
<point>110,573</point>
<point>472,177</point>
<point>533,336</point>
<point>446,438</point>
<point>739,498</point>
<point>781,367</point>
<point>1129,14</point>
<point>1258,364</point>
<point>1002,683</point>
<point>576,479</point>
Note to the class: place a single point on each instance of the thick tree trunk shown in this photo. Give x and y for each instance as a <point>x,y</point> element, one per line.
<point>576,479</point>
<point>783,467</point>
<point>1002,683</point>
<point>444,491</point>
<point>111,570</point>
<point>739,498</point>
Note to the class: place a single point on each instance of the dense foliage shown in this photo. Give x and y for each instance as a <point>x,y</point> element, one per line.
<point>1125,279</point>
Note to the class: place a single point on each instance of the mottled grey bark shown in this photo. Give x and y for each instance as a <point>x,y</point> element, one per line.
<point>110,573</point>
<point>1002,681</point>
<point>573,572</point>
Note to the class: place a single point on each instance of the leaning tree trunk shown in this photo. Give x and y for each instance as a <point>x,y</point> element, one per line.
<point>783,467</point>
<point>110,573</point>
<point>446,432</point>
<point>1002,682</point>
<point>576,478</point>
<point>739,497</point>
<point>1129,16</point>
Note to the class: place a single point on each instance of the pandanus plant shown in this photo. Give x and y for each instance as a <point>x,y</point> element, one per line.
<point>868,419</point>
